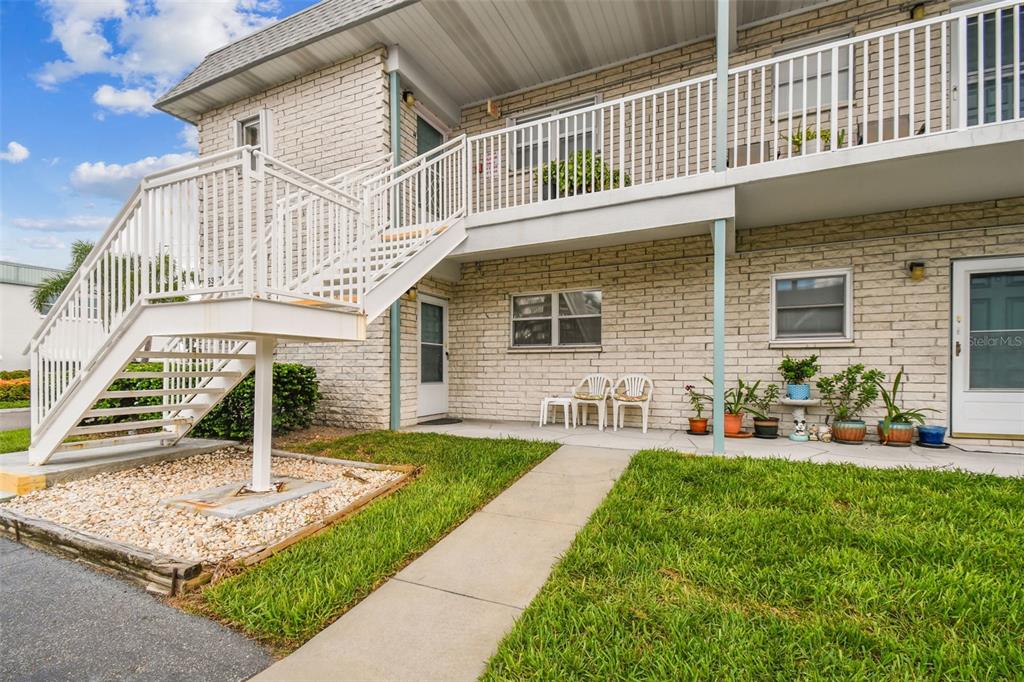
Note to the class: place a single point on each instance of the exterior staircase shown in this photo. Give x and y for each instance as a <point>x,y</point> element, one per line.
<point>212,261</point>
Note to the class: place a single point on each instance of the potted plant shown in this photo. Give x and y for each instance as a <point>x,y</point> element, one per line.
<point>765,425</point>
<point>798,138</point>
<point>698,424</point>
<point>897,429</point>
<point>796,372</point>
<point>736,401</point>
<point>847,394</point>
<point>582,172</point>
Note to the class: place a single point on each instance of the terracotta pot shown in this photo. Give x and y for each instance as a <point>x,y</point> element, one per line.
<point>766,428</point>
<point>733,423</point>
<point>849,431</point>
<point>698,426</point>
<point>900,435</point>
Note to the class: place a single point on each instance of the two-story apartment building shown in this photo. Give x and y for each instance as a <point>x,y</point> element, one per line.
<point>551,189</point>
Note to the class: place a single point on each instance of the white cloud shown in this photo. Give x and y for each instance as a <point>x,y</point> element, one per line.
<point>189,136</point>
<point>47,242</point>
<point>16,153</point>
<point>148,45</point>
<point>125,101</point>
<point>65,224</point>
<point>116,180</point>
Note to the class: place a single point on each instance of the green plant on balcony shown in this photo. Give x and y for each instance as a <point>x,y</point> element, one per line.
<point>798,138</point>
<point>580,173</point>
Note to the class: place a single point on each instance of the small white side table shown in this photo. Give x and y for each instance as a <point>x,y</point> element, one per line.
<point>564,402</point>
<point>799,416</point>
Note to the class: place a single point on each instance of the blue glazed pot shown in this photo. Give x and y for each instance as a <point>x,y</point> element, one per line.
<point>798,391</point>
<point>931,435</point>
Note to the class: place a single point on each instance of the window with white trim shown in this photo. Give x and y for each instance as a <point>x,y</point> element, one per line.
<point>255,131</point>
<point>791,74</point>
<point>812,306</point>
<point>575,133</point>
<point>558,318</point>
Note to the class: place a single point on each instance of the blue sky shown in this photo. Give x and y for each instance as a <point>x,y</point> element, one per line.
<point>76,127</point>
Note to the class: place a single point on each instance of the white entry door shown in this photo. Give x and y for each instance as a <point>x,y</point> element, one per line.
<point>988,347</point>
<point>433,393</point>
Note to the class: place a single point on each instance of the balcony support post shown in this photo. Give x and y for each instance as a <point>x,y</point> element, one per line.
<point>722,42</point>
<point>395,318</point>
<point>263,414</point>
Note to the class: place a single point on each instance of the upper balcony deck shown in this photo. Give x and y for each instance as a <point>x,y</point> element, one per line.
<point>920,114</point>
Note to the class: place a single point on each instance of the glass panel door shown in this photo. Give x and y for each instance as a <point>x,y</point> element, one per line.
<point>433,356</point>
<point>988,69</point>
<point>987,361</point>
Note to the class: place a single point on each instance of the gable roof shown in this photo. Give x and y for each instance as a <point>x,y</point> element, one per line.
<point>308,25</point>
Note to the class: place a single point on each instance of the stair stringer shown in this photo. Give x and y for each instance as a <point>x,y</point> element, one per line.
<point>400,279</point>
<point>217,318</point>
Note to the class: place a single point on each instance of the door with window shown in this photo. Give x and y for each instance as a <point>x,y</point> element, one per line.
<point>433,352</point>
<point>428,138</point>
<point>988,347</point>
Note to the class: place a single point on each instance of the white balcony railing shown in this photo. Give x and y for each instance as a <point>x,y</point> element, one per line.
<point>945,73</point>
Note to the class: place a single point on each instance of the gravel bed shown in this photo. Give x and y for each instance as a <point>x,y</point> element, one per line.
<point>125,505</point>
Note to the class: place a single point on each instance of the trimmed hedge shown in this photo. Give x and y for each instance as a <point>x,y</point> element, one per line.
<point>14,374</point>
<point>12,390</point>
<point>296,393</point>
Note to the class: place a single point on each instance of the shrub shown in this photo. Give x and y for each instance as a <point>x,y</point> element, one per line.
<point>850,392</point>
<point>12,390</point>
<point>296,392</point>
<point>14,374</point>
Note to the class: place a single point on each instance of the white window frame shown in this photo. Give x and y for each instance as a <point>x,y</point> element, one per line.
<point>773,337</point>
<point>819,40</point>
<point>264,122</point>
<point>554,318</point>
<point>541,113</point>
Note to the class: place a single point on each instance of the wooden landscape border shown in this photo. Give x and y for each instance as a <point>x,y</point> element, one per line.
<point>167,575</point>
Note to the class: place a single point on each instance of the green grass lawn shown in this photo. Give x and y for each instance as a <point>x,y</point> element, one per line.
<point>8,404</point>
<point>297,593</point>
<point>710,568</point>
<point>14,441</point>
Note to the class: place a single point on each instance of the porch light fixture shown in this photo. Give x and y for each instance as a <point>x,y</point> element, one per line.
<point>493,110</point>
<point>917,12</point>
<point>916,270</point>
<point>408,97</point>
<point>411,293</point>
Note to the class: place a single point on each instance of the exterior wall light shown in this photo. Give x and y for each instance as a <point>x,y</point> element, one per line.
<point>916,270</point>
<point>408,97</point>
<point>917,12</point>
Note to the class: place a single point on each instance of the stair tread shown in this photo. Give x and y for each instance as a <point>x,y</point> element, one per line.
<point>144,409</point>
<point>117,440</point>
<point>198,355</point>
<point>128,426</point>
<point>181,375</point>
<point>158,392</point>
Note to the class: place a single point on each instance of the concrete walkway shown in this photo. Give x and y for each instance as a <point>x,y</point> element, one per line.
<point>15,418</point>
<point>985,459</point>
<point>442,617</point>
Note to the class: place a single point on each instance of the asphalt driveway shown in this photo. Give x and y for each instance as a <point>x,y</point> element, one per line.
<point>62,621</point>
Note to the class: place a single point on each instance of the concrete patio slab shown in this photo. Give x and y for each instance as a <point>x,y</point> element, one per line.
<point>442,617</point>
<point>1001,460</point>
<point>17,476</point>
<point>401,632</point>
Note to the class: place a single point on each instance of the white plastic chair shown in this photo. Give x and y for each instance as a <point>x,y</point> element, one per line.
<point>593,389</point>
<point>630,390</point>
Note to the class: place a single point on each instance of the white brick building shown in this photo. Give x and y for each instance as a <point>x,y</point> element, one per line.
<point>829,143</point>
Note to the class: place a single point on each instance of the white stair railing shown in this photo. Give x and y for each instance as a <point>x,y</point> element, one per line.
<point>914,79</point>
<point>226,225</point>
<point>406,206</point>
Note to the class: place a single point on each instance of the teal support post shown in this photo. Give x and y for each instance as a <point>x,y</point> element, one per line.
<point>718,372</point>
<point>395,421</point>
<point>722,39</point>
